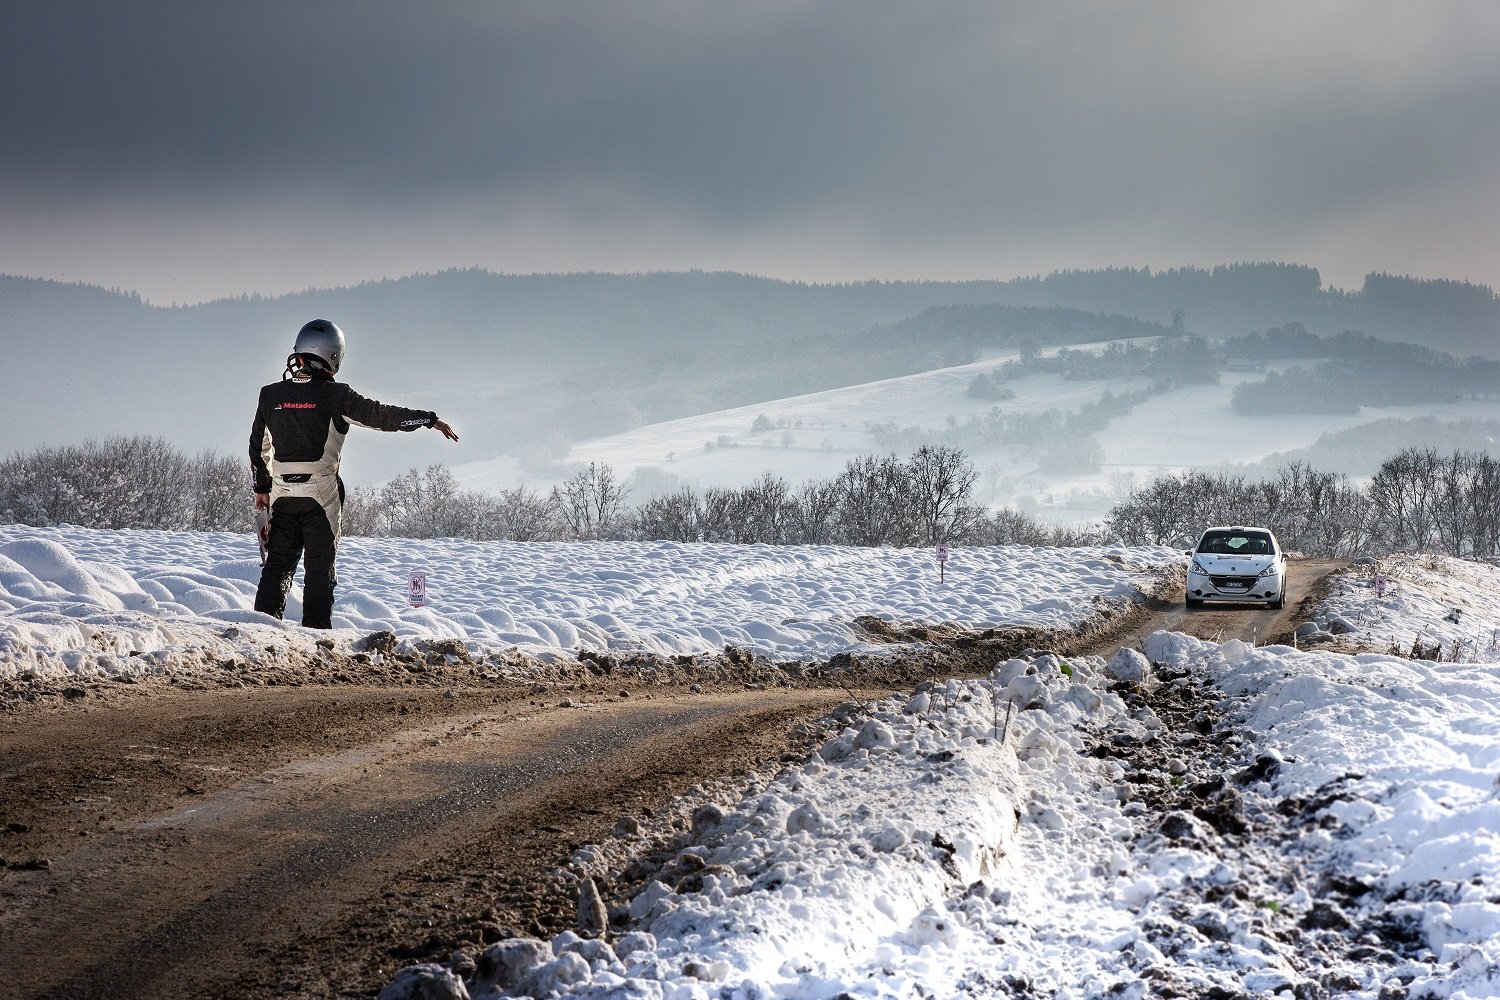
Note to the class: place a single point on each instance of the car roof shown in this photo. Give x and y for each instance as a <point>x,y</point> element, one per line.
<point>1239,527</point>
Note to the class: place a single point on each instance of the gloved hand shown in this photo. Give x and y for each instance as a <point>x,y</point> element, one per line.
<point>263,520</point>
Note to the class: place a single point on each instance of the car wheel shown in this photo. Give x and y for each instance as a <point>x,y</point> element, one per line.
<point>1280,601</point>
<point>1193,602</point>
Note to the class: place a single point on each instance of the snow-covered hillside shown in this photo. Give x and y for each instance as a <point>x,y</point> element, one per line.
<point>812,436</point>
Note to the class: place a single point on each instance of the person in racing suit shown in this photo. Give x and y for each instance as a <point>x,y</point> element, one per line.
<point>295,446</point>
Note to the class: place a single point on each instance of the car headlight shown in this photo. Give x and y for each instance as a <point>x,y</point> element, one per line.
<point>1197,569</point>
<point>1271,570</point>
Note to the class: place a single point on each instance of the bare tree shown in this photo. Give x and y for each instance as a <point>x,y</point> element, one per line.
<point>676,517</point>
<point>520,514</point>
<point>1484,505</point>
<point>364,513</point>
<point>1452,517</point>
<point>761,514</point>
<point>812,513</point>
<point>1338,518</point>
<point>591,503</point>
<point>719,514</point>
<point>942,480</point>
<point>1011,527</point>
<point>218,493</point>
<point>875,504</point>
<point>1401,494</point>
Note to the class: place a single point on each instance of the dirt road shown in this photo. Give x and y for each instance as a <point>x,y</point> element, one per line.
<point>309,841</point>
<point>1222,622</point>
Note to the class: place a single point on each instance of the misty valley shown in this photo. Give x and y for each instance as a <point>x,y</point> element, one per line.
<point>718,406</point>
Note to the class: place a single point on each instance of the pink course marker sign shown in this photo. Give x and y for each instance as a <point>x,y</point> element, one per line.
<point>416,589</point>
<point>942,553</point>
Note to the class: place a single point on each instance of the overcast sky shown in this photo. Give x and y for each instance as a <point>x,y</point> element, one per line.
<point>191,150</point>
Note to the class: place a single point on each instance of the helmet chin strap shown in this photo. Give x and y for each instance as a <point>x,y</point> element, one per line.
<point>306,365</point>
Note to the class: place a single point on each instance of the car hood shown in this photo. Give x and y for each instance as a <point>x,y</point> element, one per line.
<point>1234,564</point>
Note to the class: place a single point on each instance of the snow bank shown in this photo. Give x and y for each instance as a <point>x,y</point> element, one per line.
<point>835,876</point>
<point>1395,763</point>
<point>1428,604</point>
<point>1228,821</point>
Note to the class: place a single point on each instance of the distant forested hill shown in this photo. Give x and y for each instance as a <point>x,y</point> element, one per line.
<point>530,361</point>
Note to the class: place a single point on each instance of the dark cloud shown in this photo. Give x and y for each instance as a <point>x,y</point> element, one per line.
<point>913,125</point>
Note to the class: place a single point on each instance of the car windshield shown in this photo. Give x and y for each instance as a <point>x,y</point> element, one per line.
<point>1236,543</point>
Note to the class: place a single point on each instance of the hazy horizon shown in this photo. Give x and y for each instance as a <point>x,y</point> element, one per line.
<point>191,153</point>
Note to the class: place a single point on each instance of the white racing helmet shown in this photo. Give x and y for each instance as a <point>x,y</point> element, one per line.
<point>319,341</point>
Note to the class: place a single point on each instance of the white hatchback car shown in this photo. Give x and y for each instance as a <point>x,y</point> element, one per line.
<point>1237,564</point>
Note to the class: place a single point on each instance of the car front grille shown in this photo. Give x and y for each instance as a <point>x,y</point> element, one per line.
<point>1234,582</point>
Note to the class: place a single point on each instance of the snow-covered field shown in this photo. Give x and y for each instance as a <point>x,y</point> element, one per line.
<point>1231,821</point>
<point>87,602</point>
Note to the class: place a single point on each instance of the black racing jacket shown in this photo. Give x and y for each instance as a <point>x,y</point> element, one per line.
<point>300,425</point>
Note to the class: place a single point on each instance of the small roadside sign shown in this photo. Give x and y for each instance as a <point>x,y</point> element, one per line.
<point>942,552</point>
<point>1381,583</point>
<point>416,588</point>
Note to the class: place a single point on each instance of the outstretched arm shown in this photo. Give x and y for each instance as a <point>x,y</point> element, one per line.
<point>384,416</point>
<point>387,417</point>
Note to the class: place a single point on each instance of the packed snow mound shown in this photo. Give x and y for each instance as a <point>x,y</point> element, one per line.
<point>81,600</point>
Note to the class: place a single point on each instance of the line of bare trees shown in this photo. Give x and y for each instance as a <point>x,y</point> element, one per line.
<point>874,500</point>
<point>137,482</point>
<point>125,482</point>
<point>1418,500</point>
